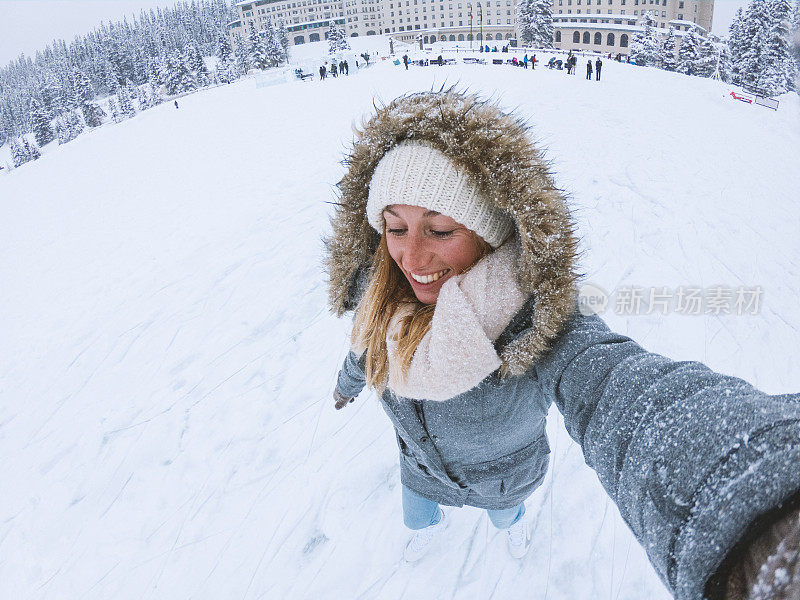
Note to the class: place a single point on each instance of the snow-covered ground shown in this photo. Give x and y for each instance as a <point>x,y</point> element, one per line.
<point>166,422</point>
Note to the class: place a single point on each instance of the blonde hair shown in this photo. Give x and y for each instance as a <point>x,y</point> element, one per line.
<point>387,292</point>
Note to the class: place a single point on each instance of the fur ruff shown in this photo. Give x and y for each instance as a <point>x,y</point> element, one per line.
<point>495,149</point>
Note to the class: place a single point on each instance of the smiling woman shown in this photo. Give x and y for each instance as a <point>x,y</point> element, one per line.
<point>456,251</point>
<point>430,247</point>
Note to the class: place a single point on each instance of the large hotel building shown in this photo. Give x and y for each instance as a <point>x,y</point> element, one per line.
<point>603,25</point>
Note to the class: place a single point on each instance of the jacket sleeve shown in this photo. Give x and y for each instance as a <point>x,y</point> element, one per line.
<point>690,456</point>
<point>351,379</point>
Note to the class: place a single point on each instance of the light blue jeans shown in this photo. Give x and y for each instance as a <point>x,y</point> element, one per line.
<point>419,512</point>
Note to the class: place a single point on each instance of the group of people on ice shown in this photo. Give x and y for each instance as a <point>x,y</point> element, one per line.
<point>342,68</point>
<point>571,63</point>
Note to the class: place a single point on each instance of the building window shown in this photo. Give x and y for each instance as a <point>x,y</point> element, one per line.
<point>598,38</point>
<point>680,4</point>
<point>586,37</point>
<point>610,39</point>
<point>623,40</point>
<point>680,17</point>
<point>576,38</point>
<point>663,13</point>
<point>558,36</point>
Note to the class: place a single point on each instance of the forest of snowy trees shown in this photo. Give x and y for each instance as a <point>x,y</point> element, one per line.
<point>759,54</point>
<point>55,95</point>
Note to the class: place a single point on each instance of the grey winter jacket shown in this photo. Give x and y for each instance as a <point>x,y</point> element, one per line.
<point>690,456</point>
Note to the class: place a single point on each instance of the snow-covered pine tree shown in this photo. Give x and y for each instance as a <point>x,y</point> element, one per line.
<point>75,122</point>
<point>62,131</point>
<point>113,110</point>
<point>40,123</point>
<point>283,39</point>
<point>646,44</point>
<point>259,52</point>
<point>667,55</point>
<point>155,95</point>
<point>84,96</point>
<point>179,78</point>
<point>706,62</point>
<point>224,50</point>
<point>736,43</point>
<point>525,19</point>
<point>19,155</point>
<point>755,27</point>
<point>153,74</point>
<point>52,93</point>
<point>126,110</point>
<point>226,71</point>
<point>31,149</point>
<point>543,35</point>
<point>722,65</point>
<point>195,63</point>
<point>777,74</point>
<point>336,39</point>
<point>272,43</point>
<point>242,56</point>
<point>689,53</point>
<point>111,78</point>
<point>141,98</point>
<point>68,127</point>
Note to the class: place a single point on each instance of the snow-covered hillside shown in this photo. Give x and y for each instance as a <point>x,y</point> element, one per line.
<point>166,422</point>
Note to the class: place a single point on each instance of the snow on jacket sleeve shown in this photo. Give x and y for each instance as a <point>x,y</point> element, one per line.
<point>351,378</point>
<point>691,457</point>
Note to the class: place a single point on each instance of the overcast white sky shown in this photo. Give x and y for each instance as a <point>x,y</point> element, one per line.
<point>29,25</point>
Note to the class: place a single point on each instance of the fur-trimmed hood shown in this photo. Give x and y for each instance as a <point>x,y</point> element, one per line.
<point>495,149</point>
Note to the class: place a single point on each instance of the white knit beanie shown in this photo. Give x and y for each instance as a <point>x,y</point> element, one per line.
<point>418,174</point>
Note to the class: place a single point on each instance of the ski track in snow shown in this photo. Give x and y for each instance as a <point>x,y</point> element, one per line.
<point>166,417</point>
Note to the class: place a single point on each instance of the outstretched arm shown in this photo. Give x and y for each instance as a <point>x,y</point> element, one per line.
<point>351,379</point>
<point>691,457</point>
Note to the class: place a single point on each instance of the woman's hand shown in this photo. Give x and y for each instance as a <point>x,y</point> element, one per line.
<point>341,401</point>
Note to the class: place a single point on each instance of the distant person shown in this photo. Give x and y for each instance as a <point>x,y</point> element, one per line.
<point>322,72</point>
<point>334,71</point>
<point>440,60</point>
<point>533,62</point>
<point>346,68</point>
<point>405,61</point>
<point>176,104</point>
<point>589,69</point>
<point>598,64</point>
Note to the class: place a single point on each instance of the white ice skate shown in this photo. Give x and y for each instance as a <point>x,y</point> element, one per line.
<point>422,540</point>
<point>518,538</point>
